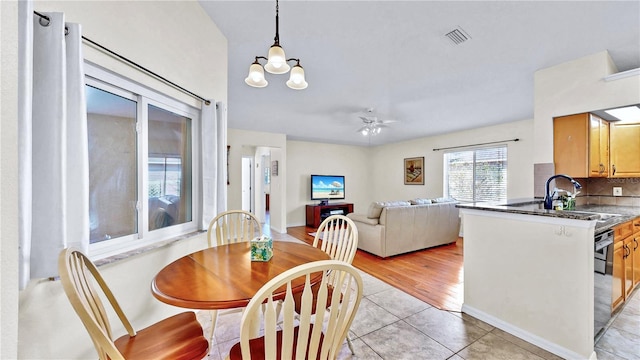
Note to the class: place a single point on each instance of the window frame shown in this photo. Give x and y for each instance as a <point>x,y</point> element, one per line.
<point>106,80</point>
<point>445,165</point>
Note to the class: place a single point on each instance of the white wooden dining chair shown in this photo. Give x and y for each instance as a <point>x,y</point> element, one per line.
<point>337,235</point>
<point>230,227</point>
<point>308,336</point>
<point>179,337</point>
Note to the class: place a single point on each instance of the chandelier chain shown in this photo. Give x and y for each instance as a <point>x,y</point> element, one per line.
<point>276,39</point>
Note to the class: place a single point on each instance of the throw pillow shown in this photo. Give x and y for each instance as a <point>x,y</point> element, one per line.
<point>396,203</point>
<point>418,201</point>
<point>443,200</point>
<point>375,209</point>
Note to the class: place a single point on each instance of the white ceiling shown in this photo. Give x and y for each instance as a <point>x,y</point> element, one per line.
<point>393,56</point>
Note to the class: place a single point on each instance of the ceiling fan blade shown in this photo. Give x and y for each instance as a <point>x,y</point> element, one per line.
<point>388,121</point>
<point>362,129</point>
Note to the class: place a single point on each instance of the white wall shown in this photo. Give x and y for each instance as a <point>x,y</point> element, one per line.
<point>388,161</point>
<point>533,278</point>
<point>173,38</point>
<point>9,179</point>
<point>376,173</point>
<point>306,158</point>
<point>575,87</point>
<point>50,329</point>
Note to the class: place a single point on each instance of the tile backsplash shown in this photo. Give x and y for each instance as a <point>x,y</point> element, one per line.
<point>541,172</point>
<point>597,191</point>
<point>604,187</point>
<point>600,191</point>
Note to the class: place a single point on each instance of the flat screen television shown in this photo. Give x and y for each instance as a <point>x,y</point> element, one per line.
<point>327,187</point>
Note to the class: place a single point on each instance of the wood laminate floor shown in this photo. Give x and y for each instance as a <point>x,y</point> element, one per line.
<point>432,275</point>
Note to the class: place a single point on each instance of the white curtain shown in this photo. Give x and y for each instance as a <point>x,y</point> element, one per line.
<point>214,155</point>
<point>209,163</point>
<point>57,183</point>
<point>221,189</point>
<point>25,81</point>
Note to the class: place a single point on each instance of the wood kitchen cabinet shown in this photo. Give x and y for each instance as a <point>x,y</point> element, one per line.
<point>625,150</point>
<point>635,248</point>
<point>618,290</point>
<point>581,145</point>
<point>626,261</point>
<point>628,265</point>
<point>598,147</point>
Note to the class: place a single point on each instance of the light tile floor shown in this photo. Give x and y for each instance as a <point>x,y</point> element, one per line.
<point>391,324</point>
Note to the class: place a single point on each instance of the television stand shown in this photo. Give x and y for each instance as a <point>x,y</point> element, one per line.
<point>317,213</point>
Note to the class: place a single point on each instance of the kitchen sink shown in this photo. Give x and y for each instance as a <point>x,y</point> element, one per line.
<point>601,217</point>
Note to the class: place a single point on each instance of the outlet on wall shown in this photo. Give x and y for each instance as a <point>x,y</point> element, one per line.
<point>617,191</point>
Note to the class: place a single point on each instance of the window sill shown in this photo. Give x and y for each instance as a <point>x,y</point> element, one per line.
<point>143,249</point>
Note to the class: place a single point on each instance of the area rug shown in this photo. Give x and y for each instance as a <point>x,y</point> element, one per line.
<point>314,234</point>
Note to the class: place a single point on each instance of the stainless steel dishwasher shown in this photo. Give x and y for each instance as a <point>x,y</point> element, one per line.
<point>603,280</point>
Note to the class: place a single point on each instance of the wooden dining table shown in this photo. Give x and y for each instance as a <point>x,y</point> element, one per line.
<point>224,277</point>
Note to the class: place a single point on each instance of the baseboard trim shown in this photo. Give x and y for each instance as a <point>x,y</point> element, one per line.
<point>525,335</point>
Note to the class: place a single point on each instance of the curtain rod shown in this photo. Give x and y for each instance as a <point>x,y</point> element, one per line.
<point>487,143</point>
<point>131,62</point>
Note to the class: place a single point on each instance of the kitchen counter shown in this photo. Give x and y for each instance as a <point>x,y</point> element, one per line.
<point>530,271</point>
<point>529,206</point>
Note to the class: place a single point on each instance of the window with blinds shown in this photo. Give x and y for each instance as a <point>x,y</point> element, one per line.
<point>476,175</point>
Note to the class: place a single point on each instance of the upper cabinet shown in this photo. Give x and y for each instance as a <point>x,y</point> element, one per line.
<point>581,146</point>
<point>598,147</point>
<point>625,150</point>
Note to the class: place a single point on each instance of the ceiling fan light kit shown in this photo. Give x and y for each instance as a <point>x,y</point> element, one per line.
<point>372,125</point>
<point>371,130</point>
<point>277,63</point>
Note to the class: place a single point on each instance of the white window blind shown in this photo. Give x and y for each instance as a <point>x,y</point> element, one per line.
<point>476,175</point>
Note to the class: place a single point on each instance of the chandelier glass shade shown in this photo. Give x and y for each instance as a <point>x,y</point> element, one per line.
<point>277,63</point>
<point>296,80</point>
<point>256,76</point>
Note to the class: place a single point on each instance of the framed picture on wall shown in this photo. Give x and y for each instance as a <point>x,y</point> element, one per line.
<point>414,171</point>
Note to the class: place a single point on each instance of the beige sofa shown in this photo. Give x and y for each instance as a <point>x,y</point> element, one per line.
<point>394,228</point>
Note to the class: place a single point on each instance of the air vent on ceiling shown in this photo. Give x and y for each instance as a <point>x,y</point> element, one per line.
<point>458,36</point>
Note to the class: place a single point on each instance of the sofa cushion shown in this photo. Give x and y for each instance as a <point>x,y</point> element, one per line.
<point>443,200</point>
<point>374,210</point>
<point>418,201</point>
<point>396,203</point>
<point>362,218</point>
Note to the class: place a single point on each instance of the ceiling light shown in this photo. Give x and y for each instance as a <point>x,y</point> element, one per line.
<point>277,63</point>
<point>296,80</point>
<point>370,128</point>
<point>629,114</point>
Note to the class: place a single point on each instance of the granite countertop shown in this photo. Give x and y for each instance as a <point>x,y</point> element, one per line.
<point>532,206</point>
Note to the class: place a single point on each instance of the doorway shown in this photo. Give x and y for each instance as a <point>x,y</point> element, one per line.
<point>247,184</point>
<point>253,195</point>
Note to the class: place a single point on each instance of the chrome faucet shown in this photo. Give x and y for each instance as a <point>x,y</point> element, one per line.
<point>548,198</point>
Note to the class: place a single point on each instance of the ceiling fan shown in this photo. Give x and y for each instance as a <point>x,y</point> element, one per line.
<point>372,125</point>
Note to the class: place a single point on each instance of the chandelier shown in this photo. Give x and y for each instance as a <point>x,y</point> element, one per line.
<point>277,63</point>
